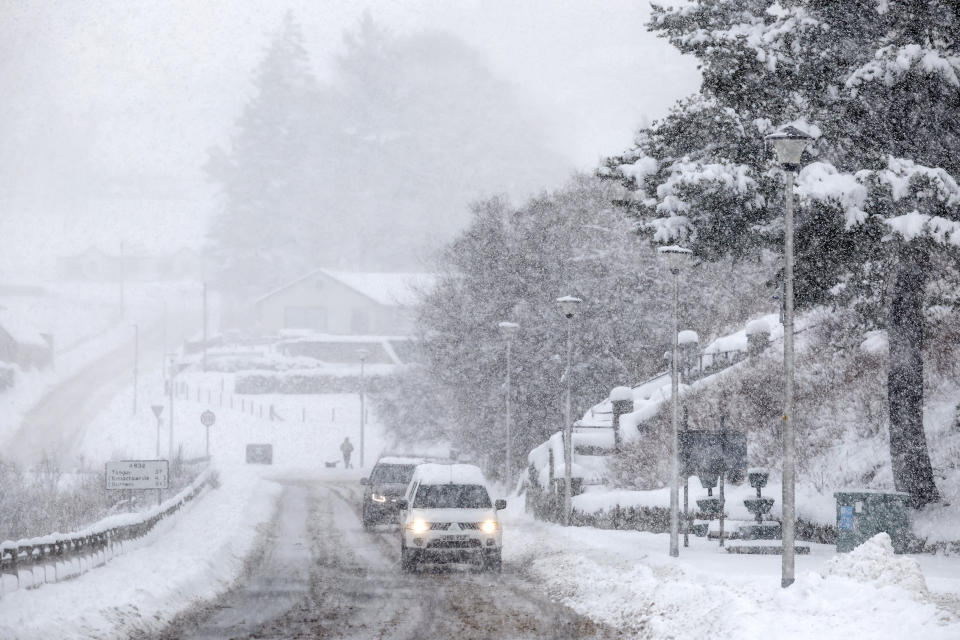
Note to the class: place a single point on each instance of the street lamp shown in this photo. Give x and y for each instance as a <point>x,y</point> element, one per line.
<point>569,306</point>
<point>136,362</point>
<point>362,353</point>
<point>675,257</point>
<point>788,143</point>
<point>507,330</point>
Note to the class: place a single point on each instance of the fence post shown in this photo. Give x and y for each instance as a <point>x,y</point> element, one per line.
<point>304,414</point>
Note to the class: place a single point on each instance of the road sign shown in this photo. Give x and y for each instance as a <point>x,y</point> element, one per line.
<point>260,453</point>
<point>157,409</point>
<point>137,474</point>
<point>207,418</point>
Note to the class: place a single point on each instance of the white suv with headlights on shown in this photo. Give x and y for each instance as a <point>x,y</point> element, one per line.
<point>447,516</point>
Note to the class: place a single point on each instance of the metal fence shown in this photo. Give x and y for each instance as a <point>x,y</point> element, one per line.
<point>72,554</point>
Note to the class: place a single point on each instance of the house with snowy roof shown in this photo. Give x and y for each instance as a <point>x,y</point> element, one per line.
<point>21,343</point>
<point>344,303</point>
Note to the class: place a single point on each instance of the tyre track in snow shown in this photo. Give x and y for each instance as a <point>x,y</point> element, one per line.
<point>350,585</point>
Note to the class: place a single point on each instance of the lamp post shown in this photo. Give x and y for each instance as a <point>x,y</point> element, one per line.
<point>173,374</point>
<point>675,258</point>
<point>788,143</point>
<point>569,306</point>
<point>507,330</point>
<point>136,362</point>
<point>362,353</point>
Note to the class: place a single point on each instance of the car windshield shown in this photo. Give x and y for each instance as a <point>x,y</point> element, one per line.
<point>452,496</point>
<point>392,474</point>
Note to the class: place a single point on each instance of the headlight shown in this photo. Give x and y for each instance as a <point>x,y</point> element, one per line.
<point>488,526</point>
<point>418,526</point>
<point>377,498</point>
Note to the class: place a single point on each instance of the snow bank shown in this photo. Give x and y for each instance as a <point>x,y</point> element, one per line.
<point>875,563</point>
<point>626,579</point>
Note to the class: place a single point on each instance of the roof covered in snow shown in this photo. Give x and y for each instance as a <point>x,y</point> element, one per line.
<point>388,289</point>
<point>449,474</point>
<point>19,327</point>
<point>400,460</point>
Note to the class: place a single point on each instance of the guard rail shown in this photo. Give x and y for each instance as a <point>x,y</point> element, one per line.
<point>100,539</point>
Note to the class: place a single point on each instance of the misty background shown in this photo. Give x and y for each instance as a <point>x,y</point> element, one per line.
<point>143,123</point>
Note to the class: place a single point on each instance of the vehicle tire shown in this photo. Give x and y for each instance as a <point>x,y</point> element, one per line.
<point>408,560</point>
<point>493,562</point>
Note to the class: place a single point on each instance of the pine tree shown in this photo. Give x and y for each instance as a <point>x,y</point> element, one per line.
<point>876,83</point>
<point>263,233</point>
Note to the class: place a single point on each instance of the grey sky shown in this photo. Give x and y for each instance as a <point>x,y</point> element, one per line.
<point>110,106</point>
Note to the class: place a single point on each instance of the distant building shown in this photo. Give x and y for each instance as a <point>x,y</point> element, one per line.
<point>96,265</point>
<point>21,343</point>
<point>343,303</point>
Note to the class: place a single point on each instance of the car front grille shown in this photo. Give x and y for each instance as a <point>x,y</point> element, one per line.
<point>469,525</point>
<point>453,544</point>
<point>440,526</point>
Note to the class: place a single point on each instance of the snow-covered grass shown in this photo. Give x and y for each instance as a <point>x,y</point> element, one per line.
<point>297,444</point>
<point>87,324</point>
<point>192,556</point>
<point>627,579</point>
<point>841,421</point>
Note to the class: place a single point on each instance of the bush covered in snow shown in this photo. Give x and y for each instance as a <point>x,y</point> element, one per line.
<point>296,382</point>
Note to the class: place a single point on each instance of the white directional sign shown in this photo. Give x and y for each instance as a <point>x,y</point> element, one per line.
<point>137,474</point>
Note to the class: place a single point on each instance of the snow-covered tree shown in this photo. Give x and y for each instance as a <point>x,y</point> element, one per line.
<point>876,83</point>
<point>512,264</point>
<point>262,233</point>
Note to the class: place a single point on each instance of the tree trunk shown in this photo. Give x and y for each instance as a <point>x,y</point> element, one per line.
<point>912,472</point>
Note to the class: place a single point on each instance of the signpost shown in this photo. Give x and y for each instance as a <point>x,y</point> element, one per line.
<point>138,474</point>
<point>158,411</point>
<point>207,418</point>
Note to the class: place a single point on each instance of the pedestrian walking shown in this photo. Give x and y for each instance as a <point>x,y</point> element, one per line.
<point>346,448</point>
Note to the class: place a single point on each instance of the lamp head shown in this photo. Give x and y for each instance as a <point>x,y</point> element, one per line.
<point>507,329</point>
<point>789,143</point>
<point>569,306</point>
<point>675,256</point>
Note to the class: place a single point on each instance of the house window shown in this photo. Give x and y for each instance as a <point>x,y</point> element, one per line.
<point>360,321</point>
<point>305,318</point>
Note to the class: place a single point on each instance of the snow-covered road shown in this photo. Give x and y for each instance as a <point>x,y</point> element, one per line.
<point>355,588</point>
<point>282,554</point>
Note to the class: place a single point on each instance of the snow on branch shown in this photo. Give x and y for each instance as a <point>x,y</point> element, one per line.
<point>891,63</point>
<point>700,24</point>
<point>685,173</point>
<point>674,227</point>
<point>907,178</point>
<point>822,182</point>
<point>915,224</point>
